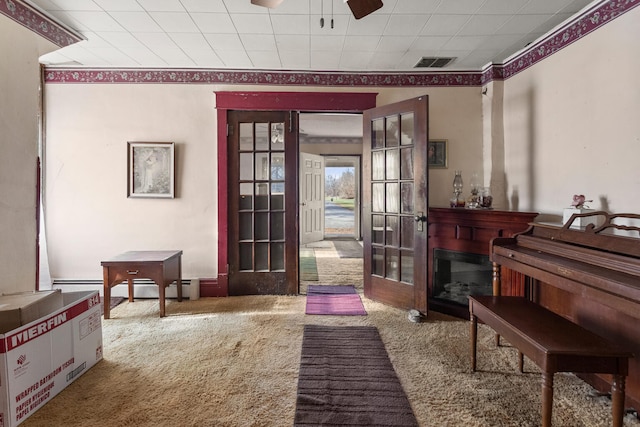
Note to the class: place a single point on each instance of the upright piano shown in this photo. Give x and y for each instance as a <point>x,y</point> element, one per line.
<point>589,275</point>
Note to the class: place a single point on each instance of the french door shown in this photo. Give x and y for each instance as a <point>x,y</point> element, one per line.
<point>262,202</point>
<point>395,201</point>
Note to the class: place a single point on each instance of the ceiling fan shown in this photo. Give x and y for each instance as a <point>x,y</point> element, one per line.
<point>359,8</point>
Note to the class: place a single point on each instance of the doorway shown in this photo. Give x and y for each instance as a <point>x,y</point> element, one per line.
<point>330,197</point>
<point>395,138</point>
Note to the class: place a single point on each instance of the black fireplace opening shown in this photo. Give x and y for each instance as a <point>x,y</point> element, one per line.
<point>456,275</point>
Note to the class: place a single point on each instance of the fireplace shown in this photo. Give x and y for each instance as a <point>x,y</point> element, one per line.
<point>458,258</point>
<point>456,275</point>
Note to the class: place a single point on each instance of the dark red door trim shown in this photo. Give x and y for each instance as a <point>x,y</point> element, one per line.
<point>272,101</point>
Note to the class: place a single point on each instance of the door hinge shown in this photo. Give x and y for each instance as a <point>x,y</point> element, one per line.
<point>229,129</point>
<point>290,121</point>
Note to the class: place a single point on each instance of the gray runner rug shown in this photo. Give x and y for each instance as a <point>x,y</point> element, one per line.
<point>347,379</point>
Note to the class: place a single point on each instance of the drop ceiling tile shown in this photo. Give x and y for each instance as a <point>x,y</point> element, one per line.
<point>56,58</point>
<point>428,43</point>
<point>120,39</point>
<point>119,5</point>
<point>161,5</point>
<point>290,24</point>
<point>252,23</point>
<point>258,42</point>
<point>213,22</point>
<point>444,25</point>
<point>395,43</point>
<point>143,56</point>
<point>264,60</point>
<point>115,56</point>
<point>367,27</point>
<point>77,5</point>
<point>339,7</point>
<point>292,43</point>
<point>480,25</point>
<point>242,6</point>
<point>295,7</point>
<point>356,60</point>
<point>174,22</point>
<point>386,60</point>
<point>325,60</point>
<point>224,41</point>
<point>136,21</point>
<point>356,43</point>
<point>327,43</point>
<point>190,41</point>
<point>501,7</point>
<point>415,6</point>
<point>216,6</point>
<point>405,25</point>
<point>464,7</point>
<point>95,21</point>
<point>521,24</point>
<point>464,43</point>
<point>293,60</point>
<point>544,6</point>
<point>205,58</point>
<point>155,41</point>
<point>234,58</point>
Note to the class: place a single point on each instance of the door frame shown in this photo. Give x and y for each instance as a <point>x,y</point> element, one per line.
<point>347,102</point>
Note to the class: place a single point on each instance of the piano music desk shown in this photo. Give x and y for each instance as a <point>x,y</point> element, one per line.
<point>553,343</point>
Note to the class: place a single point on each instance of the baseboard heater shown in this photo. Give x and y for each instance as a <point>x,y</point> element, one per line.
<point>144,288</point>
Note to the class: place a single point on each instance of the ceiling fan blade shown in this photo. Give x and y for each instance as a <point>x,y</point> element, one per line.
<point>362,8</point>
<point>267,3</point>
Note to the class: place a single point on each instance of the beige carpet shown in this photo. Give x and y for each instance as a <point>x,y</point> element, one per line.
<point>234,362</point>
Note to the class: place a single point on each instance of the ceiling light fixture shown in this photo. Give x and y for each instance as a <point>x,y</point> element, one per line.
<point>267,3</point>
<point>362,8</point>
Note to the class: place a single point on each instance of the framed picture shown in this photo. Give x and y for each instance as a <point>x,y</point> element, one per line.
<point>437,153</point>
<point>151,169</point>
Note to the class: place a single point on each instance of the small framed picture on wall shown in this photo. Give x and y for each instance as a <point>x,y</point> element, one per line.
<point>151,169</point>
<point>437,153</point>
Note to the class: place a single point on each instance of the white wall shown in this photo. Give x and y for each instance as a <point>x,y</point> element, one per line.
<point>571,124</point>
<point>19,82</point>
<point>90,218</point>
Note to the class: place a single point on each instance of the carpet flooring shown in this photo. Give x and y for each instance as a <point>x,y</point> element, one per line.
<point>348,248</point>
<point>347,379</point>
<point>334,300</point>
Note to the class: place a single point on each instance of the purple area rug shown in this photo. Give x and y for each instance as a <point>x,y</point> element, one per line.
<point>347,379</point>
<point>334,301</point>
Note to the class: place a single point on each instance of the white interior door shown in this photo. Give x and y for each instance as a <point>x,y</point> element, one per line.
<point>311,198</point>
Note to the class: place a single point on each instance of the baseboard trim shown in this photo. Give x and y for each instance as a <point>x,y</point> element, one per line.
<point>143,288</point>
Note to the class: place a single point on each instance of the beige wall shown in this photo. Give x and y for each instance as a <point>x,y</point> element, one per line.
<point>571,124</point>
<point>19,82</point>
<point>89,216</point>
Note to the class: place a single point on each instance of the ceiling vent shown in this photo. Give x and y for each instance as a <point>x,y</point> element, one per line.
<point>433,62</point>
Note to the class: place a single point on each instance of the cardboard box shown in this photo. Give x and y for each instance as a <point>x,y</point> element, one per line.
<point>40,358</point>
<point>21,308</point>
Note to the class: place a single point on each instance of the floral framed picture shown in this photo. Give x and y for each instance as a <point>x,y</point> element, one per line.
<point>151,169</point>
<point>437,153</point>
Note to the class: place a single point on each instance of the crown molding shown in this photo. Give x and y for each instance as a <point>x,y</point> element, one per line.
<point>587,22</point>
<point>41,24</point>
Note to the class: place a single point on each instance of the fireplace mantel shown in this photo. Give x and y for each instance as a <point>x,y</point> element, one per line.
<point>470,231</point>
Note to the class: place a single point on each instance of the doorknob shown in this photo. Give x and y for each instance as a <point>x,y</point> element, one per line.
<point>420,219</point>
<point>303,204</point>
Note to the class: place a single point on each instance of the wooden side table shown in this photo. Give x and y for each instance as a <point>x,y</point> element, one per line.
<point>163,267</point>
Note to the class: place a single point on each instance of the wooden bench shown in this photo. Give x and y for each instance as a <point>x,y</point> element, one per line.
<point>554,343</point>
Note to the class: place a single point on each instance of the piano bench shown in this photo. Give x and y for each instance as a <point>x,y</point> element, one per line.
<point>553,343</point>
